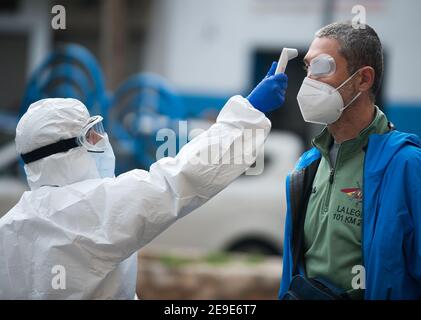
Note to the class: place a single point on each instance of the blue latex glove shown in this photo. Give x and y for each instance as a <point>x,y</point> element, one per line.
<point>269,94</point>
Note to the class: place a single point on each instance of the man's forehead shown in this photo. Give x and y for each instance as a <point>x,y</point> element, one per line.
<point>323,45</point>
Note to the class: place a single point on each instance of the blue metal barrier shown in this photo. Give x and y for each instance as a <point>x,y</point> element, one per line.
<point>69,71</point>
<point>142,105</point>
<point>139,108</point>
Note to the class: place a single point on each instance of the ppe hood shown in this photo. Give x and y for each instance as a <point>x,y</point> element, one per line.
<point>48,121</point>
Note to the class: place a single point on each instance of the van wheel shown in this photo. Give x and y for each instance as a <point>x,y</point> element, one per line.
<point>254,246</point>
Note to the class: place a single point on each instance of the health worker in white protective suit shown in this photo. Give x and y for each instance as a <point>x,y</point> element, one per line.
<point>81,220</point>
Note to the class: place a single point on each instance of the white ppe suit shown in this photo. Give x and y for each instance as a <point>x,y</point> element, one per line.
<point>92,228</point>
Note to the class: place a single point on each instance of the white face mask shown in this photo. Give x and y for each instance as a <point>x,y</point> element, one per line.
<point>320,102</point>
<point>105,160</point>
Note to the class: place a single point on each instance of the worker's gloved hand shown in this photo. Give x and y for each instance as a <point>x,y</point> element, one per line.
<point>269,94</point>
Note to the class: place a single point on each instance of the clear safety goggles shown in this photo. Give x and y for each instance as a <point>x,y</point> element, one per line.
<point>322,66</point>
<point>92,135</point>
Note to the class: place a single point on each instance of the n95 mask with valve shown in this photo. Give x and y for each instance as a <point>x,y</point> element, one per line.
<point>321,103</point>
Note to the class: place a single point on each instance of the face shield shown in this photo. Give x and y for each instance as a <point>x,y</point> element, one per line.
<point>322,66</point>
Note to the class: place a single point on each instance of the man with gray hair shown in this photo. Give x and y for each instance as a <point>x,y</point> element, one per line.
<point>353,223</point>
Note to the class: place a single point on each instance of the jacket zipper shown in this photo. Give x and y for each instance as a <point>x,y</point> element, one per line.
<point>331,180</point>
<point>329,190</point>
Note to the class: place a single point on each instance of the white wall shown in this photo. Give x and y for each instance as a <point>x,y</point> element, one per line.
<point>399,28</point>
<point>206,46</point>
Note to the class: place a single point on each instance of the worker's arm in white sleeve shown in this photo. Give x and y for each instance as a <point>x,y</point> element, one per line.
<point>132,209</point>
<point>137,206</point>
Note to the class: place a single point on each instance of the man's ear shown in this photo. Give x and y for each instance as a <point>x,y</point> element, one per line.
<point>367,75</point>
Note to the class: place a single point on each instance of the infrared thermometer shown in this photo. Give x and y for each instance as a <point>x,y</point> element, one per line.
<point>286,55</point>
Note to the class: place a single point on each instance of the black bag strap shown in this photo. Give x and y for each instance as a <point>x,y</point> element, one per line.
<point>301,184</point>
<point>303,288</point>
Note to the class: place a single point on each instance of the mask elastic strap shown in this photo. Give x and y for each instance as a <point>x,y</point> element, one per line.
<point>343,83</point>
<point>352,100</point>
<point>356,96</point>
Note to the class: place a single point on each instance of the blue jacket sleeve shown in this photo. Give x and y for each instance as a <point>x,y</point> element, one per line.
<point>412,174</point>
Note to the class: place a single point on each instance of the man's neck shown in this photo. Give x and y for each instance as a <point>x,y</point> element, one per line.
<point>353,120</point>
